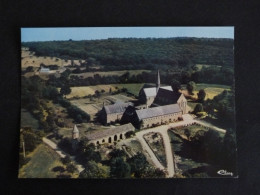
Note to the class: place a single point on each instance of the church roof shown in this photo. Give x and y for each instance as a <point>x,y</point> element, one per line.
<point>110,132</point>
<point>164,94</point>
<point>117,108</point>
<point>157,111</point>
<point>151,92</point>
<point>75,129</point>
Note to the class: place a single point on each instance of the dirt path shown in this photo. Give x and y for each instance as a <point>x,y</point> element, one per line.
<point>147,149</point>
<point>203,123</point>
<point>60,152</point>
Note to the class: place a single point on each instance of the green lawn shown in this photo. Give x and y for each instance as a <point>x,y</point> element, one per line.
<point>43,160</point>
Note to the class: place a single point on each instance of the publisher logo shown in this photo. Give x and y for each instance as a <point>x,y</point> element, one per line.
<point>224,172</point>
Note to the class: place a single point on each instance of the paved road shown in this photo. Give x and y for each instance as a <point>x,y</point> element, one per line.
<point>60,152</point>
<point>187,120</point>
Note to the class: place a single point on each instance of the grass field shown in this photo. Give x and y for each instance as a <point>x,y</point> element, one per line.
<point>29,59</point>
<point>211,90</point>
<point>110,73</point>
<point>27,120</point>
<point>90,90</point>
<point>43,160</point>
<point>93,106</point>
<point>133,88</point>
<point>80,92</point>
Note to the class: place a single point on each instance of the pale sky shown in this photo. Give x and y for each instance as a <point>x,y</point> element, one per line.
<point>92,33</point>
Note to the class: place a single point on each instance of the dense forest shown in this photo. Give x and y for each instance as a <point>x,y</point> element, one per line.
<point>137,53</point>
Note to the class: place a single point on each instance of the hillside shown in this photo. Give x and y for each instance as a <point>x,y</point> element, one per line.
<point>140,53</point>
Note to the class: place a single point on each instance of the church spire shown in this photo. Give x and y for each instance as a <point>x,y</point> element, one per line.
<point>158,81</point>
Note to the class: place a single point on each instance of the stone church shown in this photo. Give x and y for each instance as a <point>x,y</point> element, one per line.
<point>162,95</point>
<point>157,105</point>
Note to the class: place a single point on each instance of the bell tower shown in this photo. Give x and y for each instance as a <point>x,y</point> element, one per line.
<point>75,132</point>
<point>158,83</point>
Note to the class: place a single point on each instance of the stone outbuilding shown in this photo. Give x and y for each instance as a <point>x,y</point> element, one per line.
<point>110,136</point>
<point>114,112</point>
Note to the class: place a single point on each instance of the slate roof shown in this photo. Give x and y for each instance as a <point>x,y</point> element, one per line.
<point>151,92</point>
<point>158,111</point>
<point>110,132</point>
<point>75,129</point>
<point>117,108</point>
<point>171,96</point>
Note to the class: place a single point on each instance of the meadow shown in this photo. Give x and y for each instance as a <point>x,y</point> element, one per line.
<point>43,160</point>
<point>211,90</point>
<point>29,59</point>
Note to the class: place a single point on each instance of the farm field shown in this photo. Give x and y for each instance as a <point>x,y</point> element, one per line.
<point>43,160</point>
<point>111,73</point>
<point>80,92</point>
<point>29,59</point>
<point>92,106</point>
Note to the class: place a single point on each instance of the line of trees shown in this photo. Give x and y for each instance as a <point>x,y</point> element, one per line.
<point>134,51</point>
<point>118,165</point>
<point>183,77</point>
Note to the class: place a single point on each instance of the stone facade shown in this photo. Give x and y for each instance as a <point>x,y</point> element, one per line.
<point>110,136</point>
<point>150,117</point>
<point>160,120</point>
<point>113,113</point>
<point>182,102</point>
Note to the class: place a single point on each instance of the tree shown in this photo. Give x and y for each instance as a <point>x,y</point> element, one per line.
<point>201,95</point>
<point>65,90</point>
<point>176,85</point>
<point>198,108</point>
<point>71,168</point>
<point>87,152</point>
<point>119,168</point>
<point>187,133</point>
<point>66,160</point>
<point>58,169</point>
<point>29,69</point>
<point>30,138</point>
<point>79,119</point>
<point>138,163</point>
<point>190,87</point>
<point>97,93</point>
<point>229,150</point>
<point>95,170</point>
<point>117,153</point>
<point>152,172</point>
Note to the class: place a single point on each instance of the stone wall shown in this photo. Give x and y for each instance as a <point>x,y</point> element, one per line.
<point>160,120</point>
